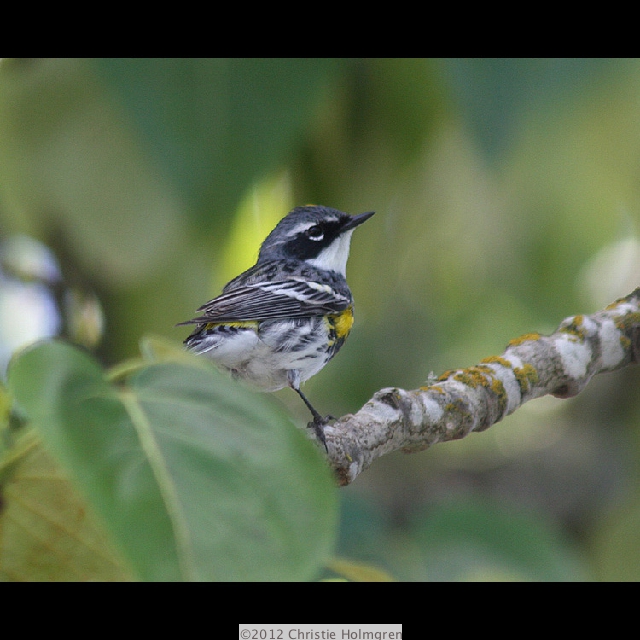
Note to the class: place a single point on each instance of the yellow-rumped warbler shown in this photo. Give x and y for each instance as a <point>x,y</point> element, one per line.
<point>278,323</point>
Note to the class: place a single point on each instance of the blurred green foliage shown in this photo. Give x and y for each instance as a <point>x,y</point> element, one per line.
<point>195,480</point>
<point>507,195</point>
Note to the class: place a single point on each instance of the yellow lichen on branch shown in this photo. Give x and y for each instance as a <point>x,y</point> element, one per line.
<point>463,401</point>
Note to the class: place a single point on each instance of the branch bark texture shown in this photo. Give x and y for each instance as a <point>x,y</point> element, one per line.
<point>469,400</point>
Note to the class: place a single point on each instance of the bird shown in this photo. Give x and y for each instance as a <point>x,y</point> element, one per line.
<point>280,322</point>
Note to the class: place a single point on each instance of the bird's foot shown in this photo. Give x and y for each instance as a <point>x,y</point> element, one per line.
<point>318,424</point>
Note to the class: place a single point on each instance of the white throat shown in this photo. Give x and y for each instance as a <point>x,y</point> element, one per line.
<point>335,256</point>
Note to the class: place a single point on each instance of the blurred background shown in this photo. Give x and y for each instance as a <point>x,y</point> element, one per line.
<point>507,194</point>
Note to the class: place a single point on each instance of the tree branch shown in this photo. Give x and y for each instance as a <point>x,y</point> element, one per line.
<point>469,400</point>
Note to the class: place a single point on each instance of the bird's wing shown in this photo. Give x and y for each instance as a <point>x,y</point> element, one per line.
<point>269,300</point>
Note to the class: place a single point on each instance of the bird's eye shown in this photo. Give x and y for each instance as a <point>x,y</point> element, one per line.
<point>315,232</point>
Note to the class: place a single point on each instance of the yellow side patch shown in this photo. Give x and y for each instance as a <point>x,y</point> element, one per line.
<point>342,323</point>
<point>247,324</point>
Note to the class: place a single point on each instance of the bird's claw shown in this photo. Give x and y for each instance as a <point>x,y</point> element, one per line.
<point>318,424</point>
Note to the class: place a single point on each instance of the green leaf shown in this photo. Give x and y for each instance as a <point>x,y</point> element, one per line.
<point>46,531</point>
<point>217,124</point>
<point>195,477</point>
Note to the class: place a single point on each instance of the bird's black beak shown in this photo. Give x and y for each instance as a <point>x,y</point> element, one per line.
<point>354,221</point>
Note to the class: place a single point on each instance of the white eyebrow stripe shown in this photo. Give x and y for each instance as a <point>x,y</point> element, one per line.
<point>303,226</point>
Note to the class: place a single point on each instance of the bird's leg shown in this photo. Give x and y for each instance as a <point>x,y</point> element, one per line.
<point>318,422</point>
